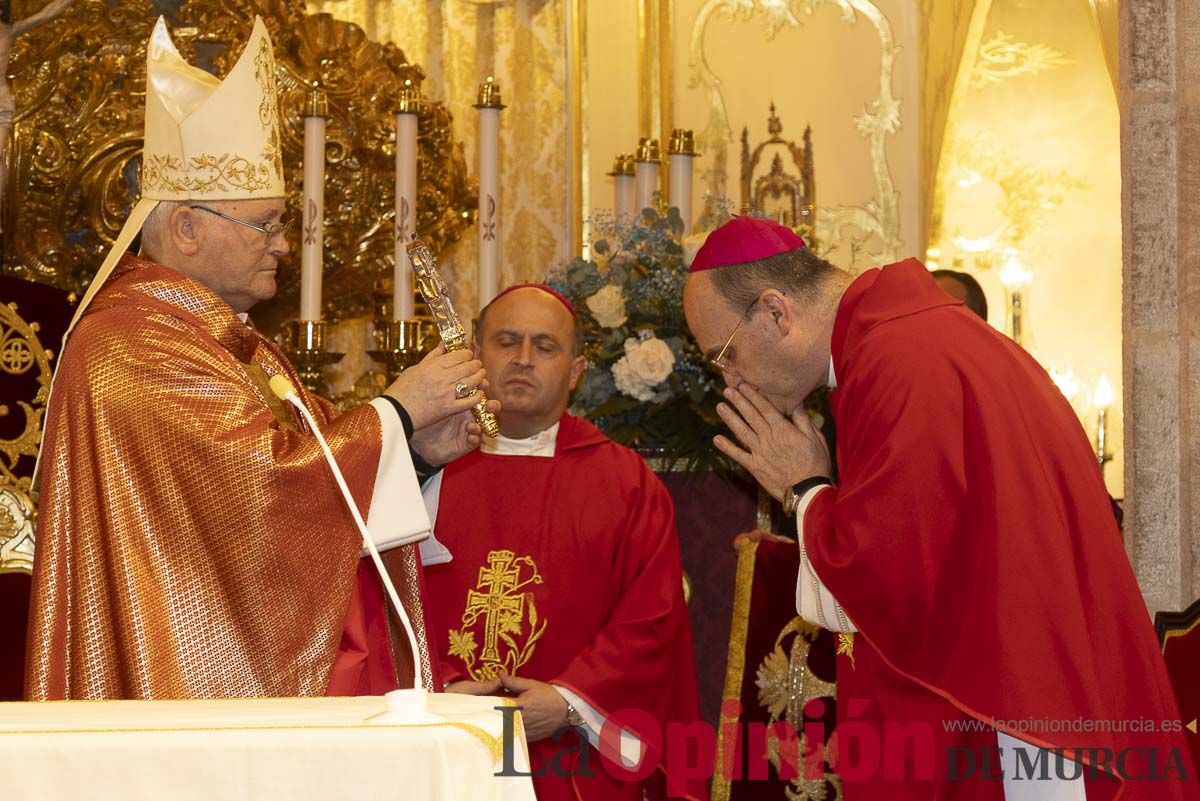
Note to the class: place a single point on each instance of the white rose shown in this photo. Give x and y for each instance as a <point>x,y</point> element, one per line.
<point>652,360</point>
<point>691,246</point>
<point>629,383</point>
<point>646,364</point>
<point>608,306</point>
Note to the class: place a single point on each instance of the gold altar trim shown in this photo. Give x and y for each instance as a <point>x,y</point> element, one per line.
<point>735,665</point>
<point>577,92</point>
<point>1170,633</point>
<point>21,351</point>
<point>655,78</point>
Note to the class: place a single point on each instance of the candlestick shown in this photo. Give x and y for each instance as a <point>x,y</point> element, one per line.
<point>623,186</point>
<point>401,344</point>
<point>307,351</point>
<point>646,164</point>
<point>1103,398</point>
<point>406,199</point>
<point>682,153</point>
<point>1015,279</point>
<point>313,211</point>
<point>489,106</point>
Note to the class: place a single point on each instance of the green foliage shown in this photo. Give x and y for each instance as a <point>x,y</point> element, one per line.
<point>644,257</point>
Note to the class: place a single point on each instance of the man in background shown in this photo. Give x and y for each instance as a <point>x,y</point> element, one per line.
<point>963,287</point>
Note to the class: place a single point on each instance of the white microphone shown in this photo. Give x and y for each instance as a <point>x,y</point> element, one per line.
<point>285,391</point>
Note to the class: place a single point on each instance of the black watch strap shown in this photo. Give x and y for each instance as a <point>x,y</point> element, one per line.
<point>809,483</point>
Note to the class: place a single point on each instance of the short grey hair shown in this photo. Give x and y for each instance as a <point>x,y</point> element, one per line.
<point>799,273</point>
<point>156,223</point>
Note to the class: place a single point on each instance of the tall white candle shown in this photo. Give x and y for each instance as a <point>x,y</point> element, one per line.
<point>623,196</point>
<point>406,201</point>
<point>647,183</point>
<point>680,181</point>
<point>489,106</point>
<point>313,212</point>
<point>646,166</point>
<point>682,152</point>
<point>623,186</point>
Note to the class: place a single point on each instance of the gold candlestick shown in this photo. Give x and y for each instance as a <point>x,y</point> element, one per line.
<point>1102,398</point>
<point>400,344</point>
<point>1102,454</point>
<point>307,352</point>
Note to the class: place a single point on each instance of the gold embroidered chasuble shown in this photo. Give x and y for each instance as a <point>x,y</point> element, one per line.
<point>192,542</point>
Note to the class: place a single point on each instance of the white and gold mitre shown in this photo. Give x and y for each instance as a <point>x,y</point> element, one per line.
<point>208,139</point>
<point>205,139</point>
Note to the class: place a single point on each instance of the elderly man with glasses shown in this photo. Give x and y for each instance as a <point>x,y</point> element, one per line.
<point>192,542</point>
<point>967,557</point>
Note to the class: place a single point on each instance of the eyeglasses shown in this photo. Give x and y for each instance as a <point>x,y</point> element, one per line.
<point>270,229</point>
<point>720,361</point>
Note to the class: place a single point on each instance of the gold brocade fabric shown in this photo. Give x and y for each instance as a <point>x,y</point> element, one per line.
<point>189,544</point>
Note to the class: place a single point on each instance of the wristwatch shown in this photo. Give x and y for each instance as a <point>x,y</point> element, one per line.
<point>574,719</point>
<point>793,494</point>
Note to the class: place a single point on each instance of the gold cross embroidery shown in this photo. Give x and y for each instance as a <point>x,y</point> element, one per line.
<point>497,603</point>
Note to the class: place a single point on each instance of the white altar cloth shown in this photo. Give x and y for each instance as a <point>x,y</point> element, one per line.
<point>316,749</point>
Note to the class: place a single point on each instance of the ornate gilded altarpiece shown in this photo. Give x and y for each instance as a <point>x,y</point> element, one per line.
<point>79,84</point>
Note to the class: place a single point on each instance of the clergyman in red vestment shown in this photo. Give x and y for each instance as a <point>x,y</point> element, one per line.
<point>993,643</point>
<point>555,573</point>
<point>192,542</point>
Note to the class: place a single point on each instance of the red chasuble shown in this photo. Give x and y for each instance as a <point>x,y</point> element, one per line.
<point>566,569</point>
<point>972,544</point>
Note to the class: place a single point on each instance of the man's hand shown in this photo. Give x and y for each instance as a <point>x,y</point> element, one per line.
<point>543,710</point>
<point>475,687</point>
<point>427,389</point>
<point>452,437</point>
<point>779,452</point>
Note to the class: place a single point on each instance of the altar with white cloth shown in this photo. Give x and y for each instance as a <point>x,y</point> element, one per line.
<point>277,749</point>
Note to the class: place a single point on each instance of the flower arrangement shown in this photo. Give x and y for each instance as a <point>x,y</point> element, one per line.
<point>648,386</point>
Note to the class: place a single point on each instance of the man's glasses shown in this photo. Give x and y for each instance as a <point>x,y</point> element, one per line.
<point>270,229</point>
<point>721,361</point>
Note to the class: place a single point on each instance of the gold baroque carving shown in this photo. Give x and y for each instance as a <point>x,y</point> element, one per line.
<point>879,119</point>
<point>79,85</point>
<point>20,352</point>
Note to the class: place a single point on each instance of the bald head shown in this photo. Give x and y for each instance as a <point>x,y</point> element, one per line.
<point>529,345</point>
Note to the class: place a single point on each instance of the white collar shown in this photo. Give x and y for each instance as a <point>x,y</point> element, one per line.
<point>832,375</point>
<point>540,444</point>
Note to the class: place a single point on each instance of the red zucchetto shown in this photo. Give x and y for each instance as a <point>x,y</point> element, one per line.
<point>554,293</point>
<point>744,239</point>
